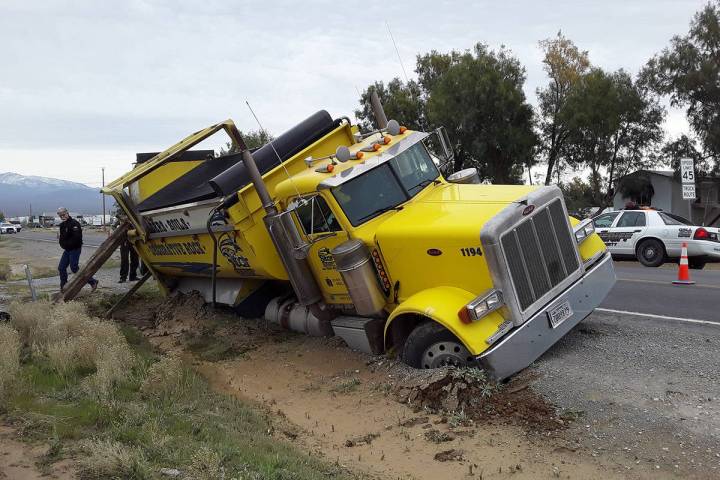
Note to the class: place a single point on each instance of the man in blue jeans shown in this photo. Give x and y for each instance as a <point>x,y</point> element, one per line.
<point>71,243</point>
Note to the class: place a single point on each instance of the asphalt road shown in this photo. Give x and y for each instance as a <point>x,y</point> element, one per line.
<point>90,238</point>
<point>651,291</point>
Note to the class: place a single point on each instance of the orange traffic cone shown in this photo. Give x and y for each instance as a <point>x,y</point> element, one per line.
<point>683,271</point>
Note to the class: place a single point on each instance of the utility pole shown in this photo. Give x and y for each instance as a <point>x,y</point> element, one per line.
<point>103,196</point>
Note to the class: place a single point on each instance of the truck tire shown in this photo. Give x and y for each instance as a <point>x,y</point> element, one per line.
<point>430,345</point>
<point>651,253</point>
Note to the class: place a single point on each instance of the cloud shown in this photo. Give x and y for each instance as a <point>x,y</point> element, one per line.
<point>110,75</point>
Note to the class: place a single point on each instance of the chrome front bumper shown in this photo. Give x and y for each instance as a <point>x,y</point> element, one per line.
<point>525,344</point>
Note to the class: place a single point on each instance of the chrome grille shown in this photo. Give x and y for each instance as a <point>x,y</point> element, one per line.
<point>540,253</point>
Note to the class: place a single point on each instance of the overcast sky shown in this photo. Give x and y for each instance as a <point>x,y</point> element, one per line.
<point>86,84</point>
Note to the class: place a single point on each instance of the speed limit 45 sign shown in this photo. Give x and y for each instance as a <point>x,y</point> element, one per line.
<point>687,170</point>
<point>687,174</point>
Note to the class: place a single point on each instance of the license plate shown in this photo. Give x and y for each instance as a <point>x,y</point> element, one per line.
<point>559,313</point>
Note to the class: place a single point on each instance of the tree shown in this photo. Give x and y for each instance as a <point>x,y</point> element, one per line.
<point>689,72</point>
<point>686,147</point>
<point>254,139</point>
<point>477,95</point>
<point>403,102</point>
<point>2,216</point>
<point>613,125</point>
<point>565,65</point>
<point>480,100</point>
<point>578,197</point>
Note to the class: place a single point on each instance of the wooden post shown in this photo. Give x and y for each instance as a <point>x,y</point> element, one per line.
<point>73,287</point>
<point>130,292</point>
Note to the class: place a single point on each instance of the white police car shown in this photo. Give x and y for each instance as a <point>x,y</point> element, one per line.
<point>654,236</point>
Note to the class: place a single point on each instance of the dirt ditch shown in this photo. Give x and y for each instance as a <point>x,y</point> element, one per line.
<point>371,414</point>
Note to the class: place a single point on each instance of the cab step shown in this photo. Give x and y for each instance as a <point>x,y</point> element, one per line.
<point>361,333</point>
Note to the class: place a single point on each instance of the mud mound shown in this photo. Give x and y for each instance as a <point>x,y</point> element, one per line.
<point>466,395</point>
<point>179,313</point>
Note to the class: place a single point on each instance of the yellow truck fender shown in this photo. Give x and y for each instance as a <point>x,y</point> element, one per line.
<point>441,305</point>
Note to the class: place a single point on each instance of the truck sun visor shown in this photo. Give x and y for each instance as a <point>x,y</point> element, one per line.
<point>286,145</point>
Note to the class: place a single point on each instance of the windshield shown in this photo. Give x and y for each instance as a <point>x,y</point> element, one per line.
<point>386,186</point>
<point>414,168</point>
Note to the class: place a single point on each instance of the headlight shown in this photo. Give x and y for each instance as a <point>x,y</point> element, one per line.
<point>488,302</point>
<point>583,230</point>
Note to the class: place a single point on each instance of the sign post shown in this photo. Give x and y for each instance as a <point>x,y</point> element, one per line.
<point>687,174</point>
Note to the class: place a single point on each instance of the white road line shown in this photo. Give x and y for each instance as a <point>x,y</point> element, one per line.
<point>666,282</point>
<point>661,317</point>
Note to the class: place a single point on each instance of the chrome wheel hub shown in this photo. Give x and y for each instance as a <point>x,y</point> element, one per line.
<point>442,354</point>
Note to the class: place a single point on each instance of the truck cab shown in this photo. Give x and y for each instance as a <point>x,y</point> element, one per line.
<point>382,249</point>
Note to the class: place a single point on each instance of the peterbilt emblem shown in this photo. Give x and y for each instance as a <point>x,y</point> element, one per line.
<point>528,210</point>
<point>434,252</point>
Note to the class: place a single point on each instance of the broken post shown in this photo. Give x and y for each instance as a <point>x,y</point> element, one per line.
<point>128,294</point>
<point>29,276</point>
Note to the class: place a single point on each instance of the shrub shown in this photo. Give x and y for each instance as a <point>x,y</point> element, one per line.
<point>9,358</point>
<point>113,363</point>
<point>109,459</point>
<point>30,318</point>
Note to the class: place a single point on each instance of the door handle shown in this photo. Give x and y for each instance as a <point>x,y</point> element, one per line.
<point>637,231</point>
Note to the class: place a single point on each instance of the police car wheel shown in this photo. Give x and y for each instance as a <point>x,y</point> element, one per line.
<point>430,345</point>
<point>651,253</point>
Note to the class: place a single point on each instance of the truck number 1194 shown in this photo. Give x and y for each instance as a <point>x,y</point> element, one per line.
<point>471,252</point>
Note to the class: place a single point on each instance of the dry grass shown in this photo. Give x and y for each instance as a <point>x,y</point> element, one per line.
<point>112,368</point>
<point>71,340</point>
<point>109,459</point>
<point>9,358</point>
<point>165,378</point>
<point>206,464</point>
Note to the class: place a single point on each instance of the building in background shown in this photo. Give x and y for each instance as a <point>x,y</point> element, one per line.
<point>662,189</point>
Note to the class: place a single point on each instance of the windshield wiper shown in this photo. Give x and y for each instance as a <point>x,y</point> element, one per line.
<point>425,183</point>
<point>379,211</point>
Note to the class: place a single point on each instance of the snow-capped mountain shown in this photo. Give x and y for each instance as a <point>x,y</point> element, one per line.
<point>18,193</point>
<point>10,178</point>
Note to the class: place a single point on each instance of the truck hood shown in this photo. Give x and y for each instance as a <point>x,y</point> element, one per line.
<point>435,239</point>
<point>450,211</point>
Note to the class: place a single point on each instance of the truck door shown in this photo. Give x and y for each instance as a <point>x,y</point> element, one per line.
<point>627,231</point>
<point>322,232</point>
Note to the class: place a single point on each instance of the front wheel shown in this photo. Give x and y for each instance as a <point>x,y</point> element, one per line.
<point>431,345</point>
<point>651,253</point>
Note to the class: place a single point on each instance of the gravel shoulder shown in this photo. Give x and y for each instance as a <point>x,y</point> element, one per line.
<point>645,391</point>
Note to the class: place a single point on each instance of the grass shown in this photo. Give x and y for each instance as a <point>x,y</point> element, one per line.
<point>123,411</point>
<point>346,385</point>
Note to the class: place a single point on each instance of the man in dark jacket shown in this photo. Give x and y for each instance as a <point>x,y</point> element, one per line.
<point>71,243</point>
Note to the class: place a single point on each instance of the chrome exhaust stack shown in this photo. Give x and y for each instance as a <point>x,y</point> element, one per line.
<point>284,235</point>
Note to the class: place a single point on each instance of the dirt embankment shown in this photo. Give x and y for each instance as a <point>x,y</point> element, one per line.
<point>373,415</point>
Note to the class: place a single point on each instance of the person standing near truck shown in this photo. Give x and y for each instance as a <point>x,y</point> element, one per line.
<point>128,261</point>
<point>71,242</point>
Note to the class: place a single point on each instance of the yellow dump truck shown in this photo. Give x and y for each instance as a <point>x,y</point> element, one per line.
<point>330,230</point>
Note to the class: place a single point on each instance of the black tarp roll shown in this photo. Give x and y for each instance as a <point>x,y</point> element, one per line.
<point>266,158</point>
